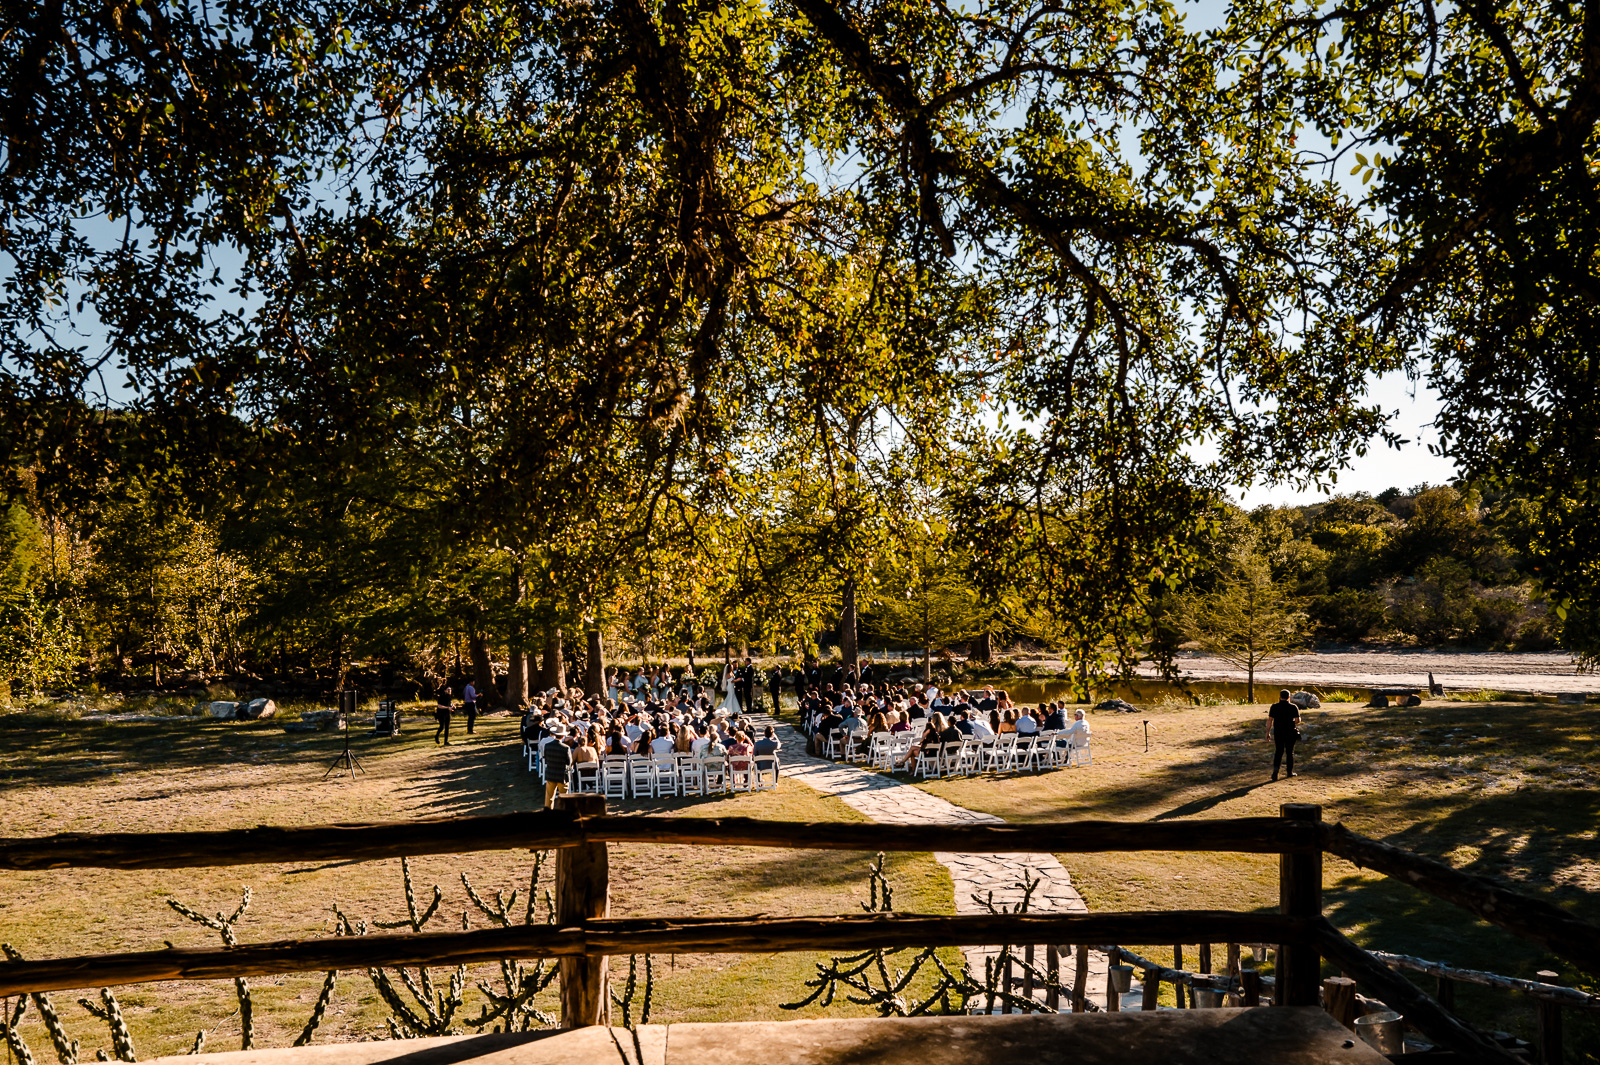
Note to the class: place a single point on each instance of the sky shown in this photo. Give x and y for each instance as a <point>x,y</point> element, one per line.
<point>1382,467</point>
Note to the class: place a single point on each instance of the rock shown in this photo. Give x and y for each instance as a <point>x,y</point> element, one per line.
<point>321,719</point>
<point>1118,705</point>
<point>259,708</point>
<point>301,726</point>
<point>1571,698</point>
<point>1306,700</point>
<point>223,710</point>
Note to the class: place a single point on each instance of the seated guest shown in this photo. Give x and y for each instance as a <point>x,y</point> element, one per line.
<point>980,727</point>
<point>768,743</point>
<point>1078,734</point>
<point>739,751</point>
<point>1027,724</point>
<point>1055,720</point>
<point>1008,720</point>
<point>663,743</point>
<point>588,749</point>
<point>901,723</point>
<point>683,741</point>
<point>964,721</point>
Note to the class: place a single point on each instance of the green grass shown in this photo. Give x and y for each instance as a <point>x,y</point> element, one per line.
<point>1508,790</point>
<point>67,775</point>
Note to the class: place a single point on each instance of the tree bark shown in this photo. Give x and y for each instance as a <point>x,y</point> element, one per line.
<point>482,667</point>
<point>594,666</point>
<point>848,649</point>
<point>517,653</point>
<point>555,669</point>
<point>927,663</point>
<point>983,648</point>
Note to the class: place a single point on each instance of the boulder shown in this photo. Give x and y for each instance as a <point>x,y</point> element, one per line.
<point>261,708</point>
<point>1118,705</point>
<point>1306,700</point>
<point>321,719</point>
<point>223,710</point>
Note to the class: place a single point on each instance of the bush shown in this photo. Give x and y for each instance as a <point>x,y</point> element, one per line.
<point>1348,615</point>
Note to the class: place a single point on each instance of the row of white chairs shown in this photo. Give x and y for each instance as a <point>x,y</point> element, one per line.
<point>640,776</point>
<point>1008,752</point>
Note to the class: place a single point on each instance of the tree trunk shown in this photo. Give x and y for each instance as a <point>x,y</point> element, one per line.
<point>1250,684</point>
<point>517,654</point>
<point>847,625</point>
<point>983,648</point>
<point>594,666</point>
<point>338,659</point>
<point>482,668</point>
<point>555,670</point>
<point>927,663</point>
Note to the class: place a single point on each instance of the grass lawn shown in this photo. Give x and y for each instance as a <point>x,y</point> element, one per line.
<point>1510,790</point>
<point>60,775</point>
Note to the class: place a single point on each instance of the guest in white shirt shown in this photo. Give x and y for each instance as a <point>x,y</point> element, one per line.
<point>1027,724</point>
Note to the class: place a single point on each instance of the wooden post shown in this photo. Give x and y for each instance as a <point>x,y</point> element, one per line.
<point>1052,989</point>
<point>1177,963</point>
<point>1027,976</point>
<point>1251,981</point>
<point>1549,1022</point>
<point>1152,989</point>
<point>1205,957</point>
<point>1113,996</point>
<point>583,892</point>
<point>1446,996</point>
<point>1080,980</point>
<point>1234,997</point>
<point>1299,895</point>
<point>1339,999</point>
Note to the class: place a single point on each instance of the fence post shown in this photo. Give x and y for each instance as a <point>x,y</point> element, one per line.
<point>1052,964</point>
<point>1177,963</point>
<point>583,892</point>
<point>1234,997</point>
<point>1549,1022</point>
<point>1299,895</point>
<point>1080,978</point>
<point>1250,984</point>
<point>1339,999</point>
<point>1446,996</point>
<point>1152,989</point>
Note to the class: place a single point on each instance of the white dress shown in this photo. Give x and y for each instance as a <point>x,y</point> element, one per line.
<point>730,702</point>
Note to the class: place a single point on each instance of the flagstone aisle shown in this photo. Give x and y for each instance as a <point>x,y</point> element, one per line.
<point>893,802</point>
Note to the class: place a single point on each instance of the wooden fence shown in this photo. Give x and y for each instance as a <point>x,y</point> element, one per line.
<point>584,935</point>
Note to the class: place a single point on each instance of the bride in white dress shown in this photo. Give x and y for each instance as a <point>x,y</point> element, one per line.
<point>730,702</point>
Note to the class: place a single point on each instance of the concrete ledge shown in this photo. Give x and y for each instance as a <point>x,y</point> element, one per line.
<point>1305,1036</point>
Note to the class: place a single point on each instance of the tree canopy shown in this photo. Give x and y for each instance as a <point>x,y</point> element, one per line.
<point>504,318</point>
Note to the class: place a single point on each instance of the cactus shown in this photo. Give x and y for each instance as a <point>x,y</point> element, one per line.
<point>224,925</point>
<point>66,1047</point>
<point>868,975</point>
<point>110,1012</point>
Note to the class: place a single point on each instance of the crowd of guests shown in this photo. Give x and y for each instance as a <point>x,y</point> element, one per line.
<point>862,710</point>
<point>565,728</point>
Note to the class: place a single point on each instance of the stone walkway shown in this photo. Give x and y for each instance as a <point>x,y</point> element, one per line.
<point>977,876</point>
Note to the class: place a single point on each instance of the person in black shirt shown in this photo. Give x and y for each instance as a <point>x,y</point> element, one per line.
<point>1283,725</point>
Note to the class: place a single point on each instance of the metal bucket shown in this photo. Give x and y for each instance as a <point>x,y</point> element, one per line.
<point>1208,998</point>
<point>1383,1031</point>
<point>1121,977</point>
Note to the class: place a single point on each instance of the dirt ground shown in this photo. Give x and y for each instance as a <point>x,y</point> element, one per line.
<point>60,775</point>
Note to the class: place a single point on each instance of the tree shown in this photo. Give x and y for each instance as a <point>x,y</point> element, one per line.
<point>938,606</point>
<point>1249,619</point>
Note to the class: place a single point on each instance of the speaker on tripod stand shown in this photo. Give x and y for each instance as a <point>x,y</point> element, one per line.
<point>341,721</point>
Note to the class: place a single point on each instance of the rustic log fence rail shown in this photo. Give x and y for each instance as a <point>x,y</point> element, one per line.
<point>583,935</point>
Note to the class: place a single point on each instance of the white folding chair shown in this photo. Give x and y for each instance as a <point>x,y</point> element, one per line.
<point>766,770</point>
<point>742,773</point>
<point>833,747</point>
<point>853,754</point>
<point>691,775</point>
<point>1080,754</point>
<point>928,761</point>
<point>1005,746</point>
<point>880,751</point>
<point>715,772</point>
<point>664,774</point>
<point>641,777</point>
<point>902,747</point>
<point>614,776</point>
<point>584,778</point>
<point>1027,750</point>
<point>968,757</point>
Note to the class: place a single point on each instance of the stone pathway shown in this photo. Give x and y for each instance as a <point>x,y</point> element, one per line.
<point>893,802</point>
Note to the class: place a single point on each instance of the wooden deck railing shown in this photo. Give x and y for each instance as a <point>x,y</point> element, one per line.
<point>584,934</point>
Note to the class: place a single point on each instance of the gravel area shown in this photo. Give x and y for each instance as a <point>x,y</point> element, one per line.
<point>1548,673</point>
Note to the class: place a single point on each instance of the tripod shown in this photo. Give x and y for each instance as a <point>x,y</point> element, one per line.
<point>346,760</point>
